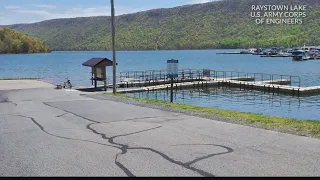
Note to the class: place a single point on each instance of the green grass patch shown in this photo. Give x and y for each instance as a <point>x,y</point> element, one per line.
<point>287,125</point>
<point>19,79</point>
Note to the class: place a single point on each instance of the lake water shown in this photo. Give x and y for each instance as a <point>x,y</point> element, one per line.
<point>55,67</point>
<point>304,108</point>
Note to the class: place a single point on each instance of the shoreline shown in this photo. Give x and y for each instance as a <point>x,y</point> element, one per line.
<point>306,128</point>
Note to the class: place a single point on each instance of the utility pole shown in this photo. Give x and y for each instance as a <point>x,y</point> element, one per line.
<point>114,84</point>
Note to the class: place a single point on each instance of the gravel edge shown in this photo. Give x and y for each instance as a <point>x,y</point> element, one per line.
<point>195,114</point>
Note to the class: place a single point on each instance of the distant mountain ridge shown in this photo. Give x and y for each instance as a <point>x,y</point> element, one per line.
<point>220,24</point>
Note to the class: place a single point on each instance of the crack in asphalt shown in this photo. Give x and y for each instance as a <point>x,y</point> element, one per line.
<point>7,100</point>
<point>62,115</point>
<point>124,148</point>
<point>71,113</point>
<point>229,150</point>
<point>47,104</point>
<point>61,137</point>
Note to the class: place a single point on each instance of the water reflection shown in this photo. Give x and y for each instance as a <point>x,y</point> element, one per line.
<point>304,108</point>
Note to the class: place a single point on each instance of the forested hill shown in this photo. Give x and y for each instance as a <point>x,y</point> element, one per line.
<point>13,42</point>
<point>220,24</point>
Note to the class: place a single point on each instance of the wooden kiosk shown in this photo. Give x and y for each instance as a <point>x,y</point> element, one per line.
<point>99,71</point>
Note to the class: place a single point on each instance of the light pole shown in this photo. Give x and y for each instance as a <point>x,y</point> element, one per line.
<point>114,84</point>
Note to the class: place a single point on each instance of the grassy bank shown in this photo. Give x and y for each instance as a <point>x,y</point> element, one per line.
<point>19,79</point>
<point>293,126</point>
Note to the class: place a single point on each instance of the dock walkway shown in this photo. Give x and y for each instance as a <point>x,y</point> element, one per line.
<point>280,86</point>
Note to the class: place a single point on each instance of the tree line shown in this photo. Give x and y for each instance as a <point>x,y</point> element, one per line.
<point>13,42</point>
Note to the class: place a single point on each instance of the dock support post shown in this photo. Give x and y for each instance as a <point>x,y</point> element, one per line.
<point>273,90</point>
<point>293,92</point>
<point>298,92</point>
<point>171,94</point>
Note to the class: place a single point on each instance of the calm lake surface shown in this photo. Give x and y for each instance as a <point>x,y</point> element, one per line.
<point>55,67</point>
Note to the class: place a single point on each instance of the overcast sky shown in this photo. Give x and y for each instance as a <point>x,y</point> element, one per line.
<point>29,11</point>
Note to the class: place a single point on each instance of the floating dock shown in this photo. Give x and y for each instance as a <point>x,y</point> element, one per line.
<point>152,80</point>
<point>281,86</point>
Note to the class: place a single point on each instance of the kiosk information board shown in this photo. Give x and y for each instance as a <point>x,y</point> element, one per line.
<point>172,68</point>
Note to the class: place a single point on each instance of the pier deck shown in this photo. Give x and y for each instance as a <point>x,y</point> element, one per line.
<point>281,86</point>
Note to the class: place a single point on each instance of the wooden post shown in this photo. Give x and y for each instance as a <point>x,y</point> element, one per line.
<point>105,78</point>
<point>92,76</point>
<point>171,94</point>
<point>293,92</point>
<point>273,89</point>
